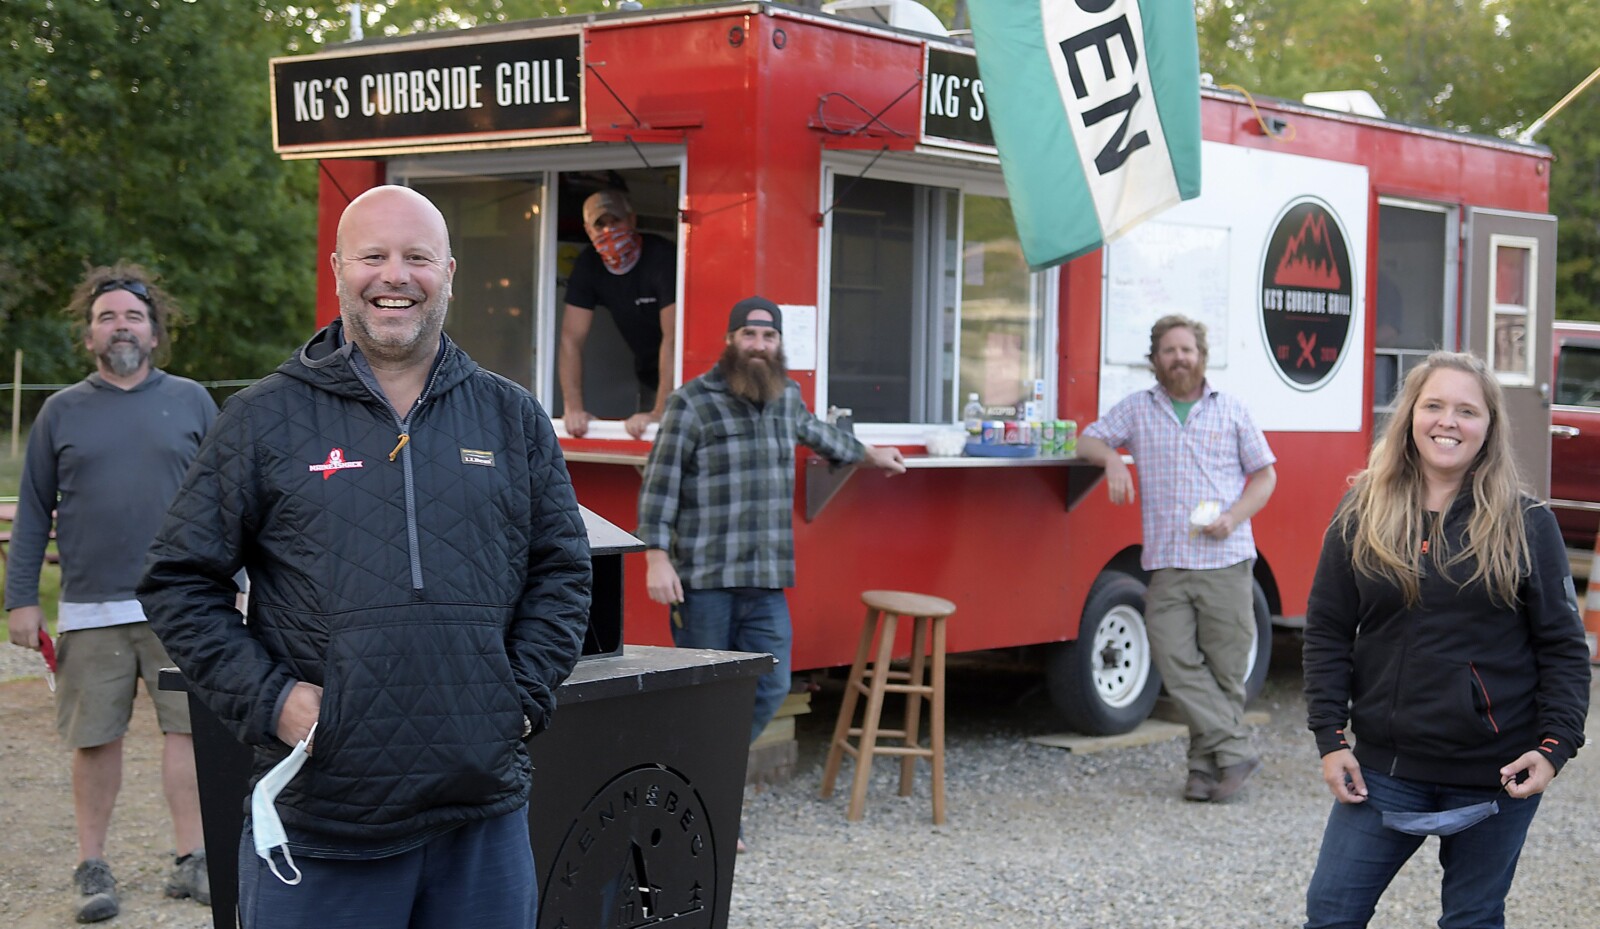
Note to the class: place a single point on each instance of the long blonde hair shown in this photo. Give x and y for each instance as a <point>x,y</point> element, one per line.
<point>1385,516</point>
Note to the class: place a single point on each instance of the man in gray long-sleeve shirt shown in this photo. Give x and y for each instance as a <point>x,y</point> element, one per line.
<point>107,456</point>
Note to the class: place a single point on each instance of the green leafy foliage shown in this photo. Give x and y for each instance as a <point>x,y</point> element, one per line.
<point>316,24</point>
<point>139,129</point>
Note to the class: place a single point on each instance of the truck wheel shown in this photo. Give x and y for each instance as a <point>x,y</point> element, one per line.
<point>1104,682</point>
<point>1255,677</point>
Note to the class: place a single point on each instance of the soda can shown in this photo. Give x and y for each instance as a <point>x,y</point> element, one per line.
<point>1068,431</point>
<point>1047,438</point>
<point>994,432</point>
<point>1013,432</point>
<point>1036,435</point>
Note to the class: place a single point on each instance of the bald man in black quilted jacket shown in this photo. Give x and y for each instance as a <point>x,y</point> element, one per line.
<point>420,583</point>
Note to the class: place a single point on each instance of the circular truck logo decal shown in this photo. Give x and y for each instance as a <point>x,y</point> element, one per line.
<point>1307,293</point>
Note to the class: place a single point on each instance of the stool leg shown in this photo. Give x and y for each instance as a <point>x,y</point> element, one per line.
<point>937,722</point>
<point>847,709</point>
<point>917,678</point>
<point>869,722</point>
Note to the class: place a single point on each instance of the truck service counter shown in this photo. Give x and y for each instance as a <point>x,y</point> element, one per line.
<point>824,478</point>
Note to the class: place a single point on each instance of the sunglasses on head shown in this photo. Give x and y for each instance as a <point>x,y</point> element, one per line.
<point>137,288</point>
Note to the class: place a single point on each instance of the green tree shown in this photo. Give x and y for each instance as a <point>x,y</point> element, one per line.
<point>314,25</point>
<point>139,129</point>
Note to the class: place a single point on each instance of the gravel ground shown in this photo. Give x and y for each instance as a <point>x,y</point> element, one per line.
<point>1038,836</point>
<point>1035,836</point>
<point>38,845</point>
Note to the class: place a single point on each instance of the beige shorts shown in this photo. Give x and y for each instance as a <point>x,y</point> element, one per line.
<point>97,675</point>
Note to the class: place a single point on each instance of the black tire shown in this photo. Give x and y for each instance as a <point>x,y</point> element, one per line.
<point>1104,683</point>
<point>1255,679</point>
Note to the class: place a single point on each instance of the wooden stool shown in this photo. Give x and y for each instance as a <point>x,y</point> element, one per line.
<point>874,680</point>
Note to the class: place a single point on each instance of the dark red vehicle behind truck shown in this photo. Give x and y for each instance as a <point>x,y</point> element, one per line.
<point>1575,433</point>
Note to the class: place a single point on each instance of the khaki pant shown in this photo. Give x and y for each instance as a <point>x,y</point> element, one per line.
<point>97,677</point>
<point>1202,628</point>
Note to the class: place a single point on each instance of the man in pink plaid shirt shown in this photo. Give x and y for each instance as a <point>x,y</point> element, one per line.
<point>1204,470</point>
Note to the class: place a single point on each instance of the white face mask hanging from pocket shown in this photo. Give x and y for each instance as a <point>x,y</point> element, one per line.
<point>265,825</point>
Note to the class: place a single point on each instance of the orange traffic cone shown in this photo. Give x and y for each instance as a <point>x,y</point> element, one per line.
<point>1591,605</point>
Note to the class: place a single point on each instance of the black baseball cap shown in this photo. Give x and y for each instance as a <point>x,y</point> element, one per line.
<point>739,317</point>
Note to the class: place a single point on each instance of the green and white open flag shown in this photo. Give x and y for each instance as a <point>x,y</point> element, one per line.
<point>1095,106</point>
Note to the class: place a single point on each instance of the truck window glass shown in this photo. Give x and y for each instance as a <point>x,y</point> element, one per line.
<point>495,221</point>
<point>1409,301</point>
<point>1578,379</point>
<point>929,300</point>
<point>1511,313</point>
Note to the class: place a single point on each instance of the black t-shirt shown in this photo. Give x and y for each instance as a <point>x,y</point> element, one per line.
<point>635,299</point>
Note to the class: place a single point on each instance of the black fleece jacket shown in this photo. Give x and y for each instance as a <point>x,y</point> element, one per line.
<point>1452,690</point>
<point>431,574</point>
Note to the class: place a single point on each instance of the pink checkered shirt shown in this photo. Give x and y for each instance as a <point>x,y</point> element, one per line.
<point>1208,458</point>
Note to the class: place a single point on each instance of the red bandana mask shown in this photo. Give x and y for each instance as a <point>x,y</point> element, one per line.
<point>619,248</point>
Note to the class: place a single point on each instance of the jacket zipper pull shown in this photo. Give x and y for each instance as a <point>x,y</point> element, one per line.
<point>404,438</point>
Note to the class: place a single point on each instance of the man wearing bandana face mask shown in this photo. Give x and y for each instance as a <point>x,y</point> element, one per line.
<point>634,275</point>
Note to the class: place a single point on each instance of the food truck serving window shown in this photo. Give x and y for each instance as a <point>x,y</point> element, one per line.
<point>516,223</point>
<point>927,298</point>
<point>494,224</point>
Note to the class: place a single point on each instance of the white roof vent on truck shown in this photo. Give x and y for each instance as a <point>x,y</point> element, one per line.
<point>1358,102</point>
<point>901,14</point>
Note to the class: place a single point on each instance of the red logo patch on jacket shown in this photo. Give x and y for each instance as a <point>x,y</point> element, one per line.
<point>334,463</point>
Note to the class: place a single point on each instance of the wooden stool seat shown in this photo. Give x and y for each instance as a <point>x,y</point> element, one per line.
<point>872,676</point>
<point>907,604</point>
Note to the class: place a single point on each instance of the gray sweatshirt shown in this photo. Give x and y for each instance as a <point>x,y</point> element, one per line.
<point>116,458</point>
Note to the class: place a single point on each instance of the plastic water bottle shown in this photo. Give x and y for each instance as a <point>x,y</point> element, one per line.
<point>972,417</point>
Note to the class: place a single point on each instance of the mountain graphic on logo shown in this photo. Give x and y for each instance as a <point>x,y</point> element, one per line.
<point>1308,259</point>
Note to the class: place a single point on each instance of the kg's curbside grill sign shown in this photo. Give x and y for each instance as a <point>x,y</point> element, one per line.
<point>1306,293</point>
<point>431,96</point>
<point>954,111</point>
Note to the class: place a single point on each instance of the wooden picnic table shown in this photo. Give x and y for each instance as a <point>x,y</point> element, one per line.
<point>8,515</point>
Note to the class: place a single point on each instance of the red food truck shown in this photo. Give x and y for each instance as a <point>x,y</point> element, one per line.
<point>845,169</point>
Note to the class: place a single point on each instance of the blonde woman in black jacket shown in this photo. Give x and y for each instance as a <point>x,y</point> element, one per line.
<point>1443,631</point>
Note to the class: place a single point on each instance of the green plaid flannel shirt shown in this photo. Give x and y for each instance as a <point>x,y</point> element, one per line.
<point>718,491</point>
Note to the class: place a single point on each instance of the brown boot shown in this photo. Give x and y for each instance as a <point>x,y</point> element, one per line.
<point>1199,786</point>
<point>1233,778</point>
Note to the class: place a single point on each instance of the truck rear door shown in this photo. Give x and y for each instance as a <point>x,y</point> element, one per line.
<point>1509,301</point>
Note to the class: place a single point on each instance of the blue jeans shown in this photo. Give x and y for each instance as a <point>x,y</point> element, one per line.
<point>479,875</point>
<point>1360,857</point>
<point>741,619</point>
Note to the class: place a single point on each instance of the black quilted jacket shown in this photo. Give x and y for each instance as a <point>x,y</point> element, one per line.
<point>436,589</point>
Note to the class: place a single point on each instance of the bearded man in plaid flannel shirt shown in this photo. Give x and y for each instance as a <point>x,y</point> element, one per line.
<point>717,504</point>
<point>1204,470</point>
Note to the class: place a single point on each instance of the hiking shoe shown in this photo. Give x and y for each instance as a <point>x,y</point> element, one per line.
<point>1199,786</point>
<point>97,891</point>
<point>1233,778</point>
<point>190,878</point>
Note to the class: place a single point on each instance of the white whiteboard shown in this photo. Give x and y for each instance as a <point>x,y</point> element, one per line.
<point>1160,268</point>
